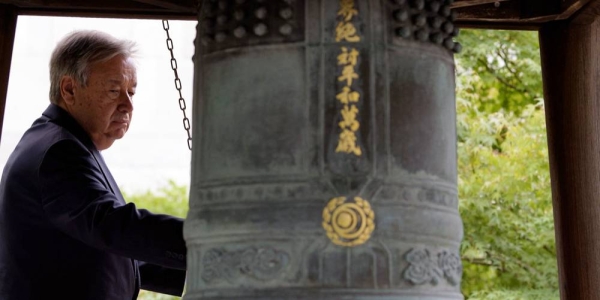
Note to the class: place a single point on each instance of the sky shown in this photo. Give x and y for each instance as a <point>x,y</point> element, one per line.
<point>154,150</point>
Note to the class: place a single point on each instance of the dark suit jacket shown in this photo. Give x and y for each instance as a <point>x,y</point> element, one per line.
<point>65,230</point>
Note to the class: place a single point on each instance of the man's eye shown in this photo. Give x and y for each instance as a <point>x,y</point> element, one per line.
<point>114,94</point>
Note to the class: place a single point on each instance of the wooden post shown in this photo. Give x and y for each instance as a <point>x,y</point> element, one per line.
<point>571,71</point>
<point>8,25</point>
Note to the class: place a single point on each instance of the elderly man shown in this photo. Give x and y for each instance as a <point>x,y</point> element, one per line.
<point>65,229</point>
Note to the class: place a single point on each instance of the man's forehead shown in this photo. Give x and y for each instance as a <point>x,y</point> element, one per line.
<point>115,65</point>
<point>130,80</point>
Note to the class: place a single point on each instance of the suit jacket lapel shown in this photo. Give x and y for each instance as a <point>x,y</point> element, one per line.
<point>108,176</point>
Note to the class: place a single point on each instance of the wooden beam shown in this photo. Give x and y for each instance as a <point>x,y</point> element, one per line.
<point>589,14</point>
<point>514,14</point>
<point>489,15</point>
<point>145,9</point>
<point>8,25</point>
<point>546,11</point>
<point>515,25</point>
<point>169,15</point>
<point>182,6</point>
<point>104,5</point>
<point>532,9</point>
<point>571,71</point>
<point>466,3</point>
<point>508,11</point>
<point>570,7</point>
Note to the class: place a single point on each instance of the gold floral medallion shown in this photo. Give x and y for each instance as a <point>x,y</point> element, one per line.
<point>348,223</point>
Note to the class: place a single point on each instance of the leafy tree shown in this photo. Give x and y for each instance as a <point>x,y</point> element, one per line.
<point>171,199</point>
<point>506,205</point>
<point>516,295</point>
<point>508,250</point>
<point>500,70</point>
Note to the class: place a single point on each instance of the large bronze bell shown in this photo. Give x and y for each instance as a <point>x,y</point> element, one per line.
<point>324,162</point>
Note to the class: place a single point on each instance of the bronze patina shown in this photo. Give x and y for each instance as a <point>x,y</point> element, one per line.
<point>324,160</point>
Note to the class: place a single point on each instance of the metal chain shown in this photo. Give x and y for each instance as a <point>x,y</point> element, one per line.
<point>182,105</point>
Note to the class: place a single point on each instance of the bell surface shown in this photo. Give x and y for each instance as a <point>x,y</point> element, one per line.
<point>324,160</point>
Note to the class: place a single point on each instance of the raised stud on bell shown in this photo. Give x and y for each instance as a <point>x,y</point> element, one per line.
<point>419,4</point>
<point>285,29</point>
<point>220,37</point>
<point>261,13</point>
<point>286,13</point>
<point>401,15</point>
<point>260,29</point>
<point>435,6</point>
<point>419,20</point>
<point>437,38</point>
<point>448,27</point>
<point>403,32</point>
<point>449,44</point>
<point>239,32</point>
<point>457,48</point>
<point>446,11</point>
<point>436,22</point>
<point>422,35</point>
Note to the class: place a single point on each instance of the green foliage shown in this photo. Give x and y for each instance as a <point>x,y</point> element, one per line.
<point>506,204</point>
<point>171,199</point>
<point>508,250</point>
<point>146,295</point>
<point>517,295</point>
<point>500,69</point>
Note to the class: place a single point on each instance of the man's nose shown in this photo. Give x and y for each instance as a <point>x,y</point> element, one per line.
<point>126,103</point>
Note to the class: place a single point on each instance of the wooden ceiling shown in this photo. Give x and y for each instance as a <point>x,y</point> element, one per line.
<point>498,14</point>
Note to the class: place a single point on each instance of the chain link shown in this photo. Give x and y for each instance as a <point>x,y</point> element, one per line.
<point>182,105</point>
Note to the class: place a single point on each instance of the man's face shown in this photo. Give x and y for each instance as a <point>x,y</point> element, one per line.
<point>104,107</point>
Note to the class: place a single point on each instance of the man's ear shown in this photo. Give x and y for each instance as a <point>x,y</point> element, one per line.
<point>67,87</point>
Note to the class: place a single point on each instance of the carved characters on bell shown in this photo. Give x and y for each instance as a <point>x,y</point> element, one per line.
<point>423,268</point>
<point>263,264</point>
<point>347,61</point>
<point>347,10</point>
<point>349,124</point>
<point>345,29</point>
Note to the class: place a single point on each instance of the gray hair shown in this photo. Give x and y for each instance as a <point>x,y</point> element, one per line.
<point>77,51</point>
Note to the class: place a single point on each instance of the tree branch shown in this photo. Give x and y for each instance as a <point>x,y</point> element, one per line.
<point>499,78</point>
<point>507,63</point>
<point>478,261</point>
<point>519,263</point>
